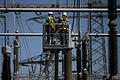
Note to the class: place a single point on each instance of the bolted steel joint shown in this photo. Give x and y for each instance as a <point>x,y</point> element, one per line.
<point>16,31</point>
<point>112,24</point>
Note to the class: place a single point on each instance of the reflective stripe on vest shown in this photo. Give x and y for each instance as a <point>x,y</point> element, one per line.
<point>63,19</point>
<point>62,29</point>
<point>50,20</point>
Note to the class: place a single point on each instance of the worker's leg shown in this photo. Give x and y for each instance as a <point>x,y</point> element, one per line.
<point>61,36</point>
<point>52,36</point>
<point>66,38</point>
<point>67,35</point>
<point>48,35</point>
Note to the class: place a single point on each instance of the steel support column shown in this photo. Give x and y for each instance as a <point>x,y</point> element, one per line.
<point>16,55</point>
<point>63,58</point>
<point>6,71</point>
<point>113,58</point>
<point>79,72</point>
<point>97,52</point>
<point>56,66</point>
<point>68,65</point>
<point>84,58</point>
<point>78,54</point>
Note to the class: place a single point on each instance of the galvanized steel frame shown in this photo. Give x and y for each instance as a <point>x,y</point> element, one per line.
<point>97,51</point>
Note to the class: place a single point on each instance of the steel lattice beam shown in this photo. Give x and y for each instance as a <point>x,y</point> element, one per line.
<point>97,52</point>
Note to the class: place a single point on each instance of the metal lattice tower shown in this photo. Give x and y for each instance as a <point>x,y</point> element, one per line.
<point>97,52</point>
<point>45,64</point>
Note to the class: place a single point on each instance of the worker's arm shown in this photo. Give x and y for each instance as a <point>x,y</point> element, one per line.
<point>55,20</point>
<point>47,20</point>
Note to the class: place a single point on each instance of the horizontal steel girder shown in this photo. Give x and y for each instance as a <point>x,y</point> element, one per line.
<point>40,34</point>
<point>55,9</point>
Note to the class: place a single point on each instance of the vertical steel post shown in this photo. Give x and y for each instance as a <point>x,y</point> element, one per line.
<point>56,66</point>
<point>63,52</point>
<point>113,56</point>
<point>96,44</point>
<point>78,47</point>
<point>5,29</point>
<point>6,71</point>
<point>68,65</point>
<point>78,63</point>
<point>84,58</point>
<point>90,42</point>
<point>112,10</point>
<point>16,50</point>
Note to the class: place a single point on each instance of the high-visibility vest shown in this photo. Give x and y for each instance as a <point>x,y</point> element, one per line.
<point>62,29</point>
<point>61,19</point>
<point>50,20</point>
<point>63,24</point>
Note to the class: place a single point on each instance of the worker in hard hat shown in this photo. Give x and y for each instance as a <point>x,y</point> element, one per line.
<point>63,22</point>
<point>64,27</point>
<point>50,29</point>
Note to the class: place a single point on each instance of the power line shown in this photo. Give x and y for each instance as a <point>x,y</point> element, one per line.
<point>25,37</point>
<point>29,27</point>
<point>20,25</point>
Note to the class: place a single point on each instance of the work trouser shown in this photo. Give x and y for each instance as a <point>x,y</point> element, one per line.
<point>47,31</point>
<point>50,34</point>
<point>63,37</point>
